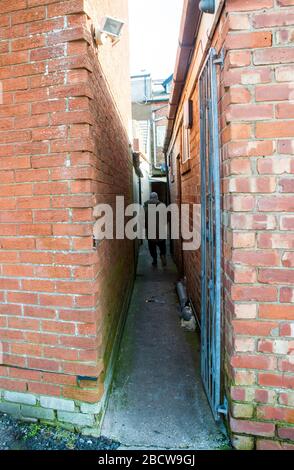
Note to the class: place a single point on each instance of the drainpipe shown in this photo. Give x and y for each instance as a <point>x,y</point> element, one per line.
<point>182,294</point>
<point>168,197</point>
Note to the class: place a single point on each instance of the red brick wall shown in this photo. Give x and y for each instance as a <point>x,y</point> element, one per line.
<point>257,151</point>
<point>256,121</point>
<point>63,149</point>
<point>185,183</point>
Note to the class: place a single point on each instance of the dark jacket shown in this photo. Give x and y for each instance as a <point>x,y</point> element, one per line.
<point>146,205</point>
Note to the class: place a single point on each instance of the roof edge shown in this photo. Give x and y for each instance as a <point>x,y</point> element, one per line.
<point>188,29</point>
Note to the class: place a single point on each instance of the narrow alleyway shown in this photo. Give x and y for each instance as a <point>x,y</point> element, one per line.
<point>157,399</point>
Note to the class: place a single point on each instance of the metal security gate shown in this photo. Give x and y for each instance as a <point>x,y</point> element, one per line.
<point>210,236</point>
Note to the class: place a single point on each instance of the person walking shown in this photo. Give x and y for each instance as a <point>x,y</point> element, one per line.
<point>157,242</point>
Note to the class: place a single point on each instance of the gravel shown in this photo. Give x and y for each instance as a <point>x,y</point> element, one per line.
<point>16,435</point>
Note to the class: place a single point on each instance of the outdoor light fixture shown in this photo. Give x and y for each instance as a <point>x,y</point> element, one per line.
<point>207,6</point>
<point>110,28</point>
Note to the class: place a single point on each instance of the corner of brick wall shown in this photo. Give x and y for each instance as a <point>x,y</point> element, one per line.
<point>258,166</point>
<point>60,299</point>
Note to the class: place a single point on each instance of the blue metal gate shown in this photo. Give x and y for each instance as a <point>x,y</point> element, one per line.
<point>211,236</point>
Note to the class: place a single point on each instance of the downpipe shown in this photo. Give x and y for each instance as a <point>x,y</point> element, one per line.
<point>186,312</point>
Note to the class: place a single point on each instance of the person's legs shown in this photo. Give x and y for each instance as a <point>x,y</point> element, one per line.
<point>162,248</point>
<point>153,250</point>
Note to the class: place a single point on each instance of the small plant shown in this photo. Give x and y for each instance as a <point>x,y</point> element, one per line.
<point>34,429</point>
<point>64,435</point>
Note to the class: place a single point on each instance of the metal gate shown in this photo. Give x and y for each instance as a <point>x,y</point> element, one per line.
<point>210,235</point>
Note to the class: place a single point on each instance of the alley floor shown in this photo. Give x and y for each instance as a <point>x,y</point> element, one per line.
<point>157,399</point>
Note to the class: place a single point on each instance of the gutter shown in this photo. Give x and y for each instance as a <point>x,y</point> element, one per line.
<point>188,30</point>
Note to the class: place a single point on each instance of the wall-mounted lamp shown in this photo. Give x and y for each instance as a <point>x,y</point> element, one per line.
<point>109,29</point>
<point>207,6</point>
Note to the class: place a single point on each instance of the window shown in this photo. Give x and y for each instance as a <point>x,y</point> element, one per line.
<point>187,125</point>
<point>160,131</point>
<point>185,144</point>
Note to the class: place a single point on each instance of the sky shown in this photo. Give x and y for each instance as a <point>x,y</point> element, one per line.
<point>154,33</point>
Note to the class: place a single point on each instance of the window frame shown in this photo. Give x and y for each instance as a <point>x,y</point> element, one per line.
<point>186,144</point>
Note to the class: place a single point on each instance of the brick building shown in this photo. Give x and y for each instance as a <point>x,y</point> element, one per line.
<point>252,65</point>
<point>64,147</point>
<point>149,110</point>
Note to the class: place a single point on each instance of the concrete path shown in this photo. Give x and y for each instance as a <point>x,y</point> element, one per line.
<point>157,400</point>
